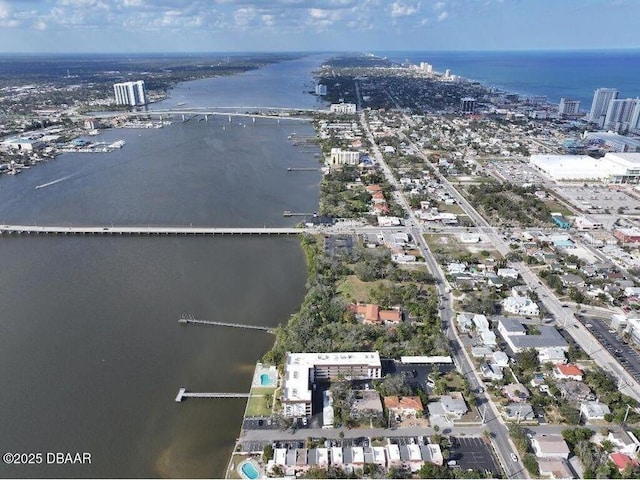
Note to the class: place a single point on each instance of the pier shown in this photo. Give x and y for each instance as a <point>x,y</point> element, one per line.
<point>182,394</point>
<point>287,213</point>
<point>302,169</point>
<point>188,319</point>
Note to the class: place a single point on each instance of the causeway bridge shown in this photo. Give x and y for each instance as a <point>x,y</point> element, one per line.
<point>182,394</point>
<point>147,230</point>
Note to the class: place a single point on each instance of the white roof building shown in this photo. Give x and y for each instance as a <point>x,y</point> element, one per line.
<point>613,167</point>
<point>594,410</point>
<point>520,306</point>
<point>302,369</point>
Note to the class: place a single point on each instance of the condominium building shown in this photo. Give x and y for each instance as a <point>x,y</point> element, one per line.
<point>568,107</point>
<point>130,93</point>
<point>619,113</point>
<point>321,89</point>
<point>468,104</point>
<point>600,104</point>
<point>343,157</point>
<point>303,370</point>
<point>348,108</point>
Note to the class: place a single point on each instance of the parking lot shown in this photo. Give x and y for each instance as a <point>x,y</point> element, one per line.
<point>515,172</point>
<point>598,198</point>
<point>473,453</point>
<point>623,353</point>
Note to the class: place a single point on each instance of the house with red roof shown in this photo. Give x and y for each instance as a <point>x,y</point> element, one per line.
<point>622,461</point>
<point>398,405</point>
<point>372,314</point>
<point>567,372</point>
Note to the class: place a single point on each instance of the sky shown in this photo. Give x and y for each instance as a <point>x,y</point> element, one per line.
<point>76,26</point>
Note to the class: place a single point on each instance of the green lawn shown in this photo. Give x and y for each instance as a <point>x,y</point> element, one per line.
<point>355,290</point>
<point>258,402</point>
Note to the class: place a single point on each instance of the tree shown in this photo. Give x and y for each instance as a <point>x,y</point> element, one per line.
<point>531,464</point>
<point>267,453</point>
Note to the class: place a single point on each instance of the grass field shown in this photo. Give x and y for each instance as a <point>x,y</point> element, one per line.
<point>356,290</point>
<point>258,402</point>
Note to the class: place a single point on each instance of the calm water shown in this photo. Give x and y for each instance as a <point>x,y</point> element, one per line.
<point>91,354</point>
<point>571,74</point>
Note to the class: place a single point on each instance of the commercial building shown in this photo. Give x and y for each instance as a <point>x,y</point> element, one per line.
<point>627,235</point>
<point>302,370</point>
<point>600,104</point>
<point>613,167</point>
<point>614,141</point>
<point>130,93</point>
<point>517,339</point>
<point>568,108</point>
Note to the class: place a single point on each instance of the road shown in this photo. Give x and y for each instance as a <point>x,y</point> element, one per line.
<point>493,422</point>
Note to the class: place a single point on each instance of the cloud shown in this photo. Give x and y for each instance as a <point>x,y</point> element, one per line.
<point>439,5</point>
<point>443,16</point>
<point>401,9</point>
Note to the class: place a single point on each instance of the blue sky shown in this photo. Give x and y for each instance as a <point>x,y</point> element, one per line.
<point>293,25</point>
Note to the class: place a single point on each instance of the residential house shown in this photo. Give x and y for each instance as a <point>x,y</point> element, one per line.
<point>501,359</point>
<point>625,442</point>
<point>555,468</point>
<point>464,322</point>
<point>593,410</point>
<point>398,405</point>
<point>622,461</point>
<point>510,273</point>
<point>574,391</point>
<point>516,392</point>
<point>491,371</point>
<point>449,406</point>
<point>547,446</point>
<point>393,455</point>
<point>372,314</point>
<point>432,453</point>
<point>520,306</point>
<point>567,371</point>
<point>519,412</point>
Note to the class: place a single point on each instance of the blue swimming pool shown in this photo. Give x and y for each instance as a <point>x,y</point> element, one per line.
<point>266,380</point>
<point>249,470</point>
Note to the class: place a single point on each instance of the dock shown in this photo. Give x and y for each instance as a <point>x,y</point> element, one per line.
<point>184,319</point>
<point>183,393</point>
<point>302,169</point>
<point>287,213</point>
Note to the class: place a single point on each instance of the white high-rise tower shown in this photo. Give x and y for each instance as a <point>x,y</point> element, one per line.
<point>600,104</point>
<point>130,93</point>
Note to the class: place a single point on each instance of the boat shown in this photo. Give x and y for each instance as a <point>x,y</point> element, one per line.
<point>118,144</point>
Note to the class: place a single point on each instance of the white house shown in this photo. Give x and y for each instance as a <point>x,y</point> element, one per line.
<point>546,446</point>
<point>508,273</point>
<point>594,410</point>
<point>520,306</point>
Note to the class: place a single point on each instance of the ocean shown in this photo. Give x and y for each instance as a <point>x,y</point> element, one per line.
<point>570,74</point>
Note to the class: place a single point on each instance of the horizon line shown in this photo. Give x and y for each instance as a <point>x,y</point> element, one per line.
<point>263,52</point>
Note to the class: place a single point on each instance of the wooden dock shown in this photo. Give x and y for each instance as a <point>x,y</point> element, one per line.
<point>182,394</point>
<point>185,319</point>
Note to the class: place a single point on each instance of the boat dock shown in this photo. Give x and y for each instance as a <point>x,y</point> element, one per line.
<point>187,319</point>
<point>302,169</point>
<point>287,213</point>
<point>182,394</point>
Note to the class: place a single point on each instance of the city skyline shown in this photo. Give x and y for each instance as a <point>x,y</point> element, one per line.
<point>28,26</point>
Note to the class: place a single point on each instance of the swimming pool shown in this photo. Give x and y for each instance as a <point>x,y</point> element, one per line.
<point>249,470</point>
<point>266,380</point>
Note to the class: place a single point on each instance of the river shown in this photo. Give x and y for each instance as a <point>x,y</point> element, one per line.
<point>91,353</point>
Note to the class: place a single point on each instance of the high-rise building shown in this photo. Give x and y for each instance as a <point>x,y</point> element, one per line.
<point>130,93</point>
<point>321,90</point>
<point>619,113</point>
<point>568,107</point>
<point>600,104</point>
<point>467,104</point>
<point>634,122</point>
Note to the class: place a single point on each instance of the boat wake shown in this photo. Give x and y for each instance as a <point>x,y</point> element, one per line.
<point>53,182</point>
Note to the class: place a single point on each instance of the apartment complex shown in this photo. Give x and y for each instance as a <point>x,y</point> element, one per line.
<point>303,370</point>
